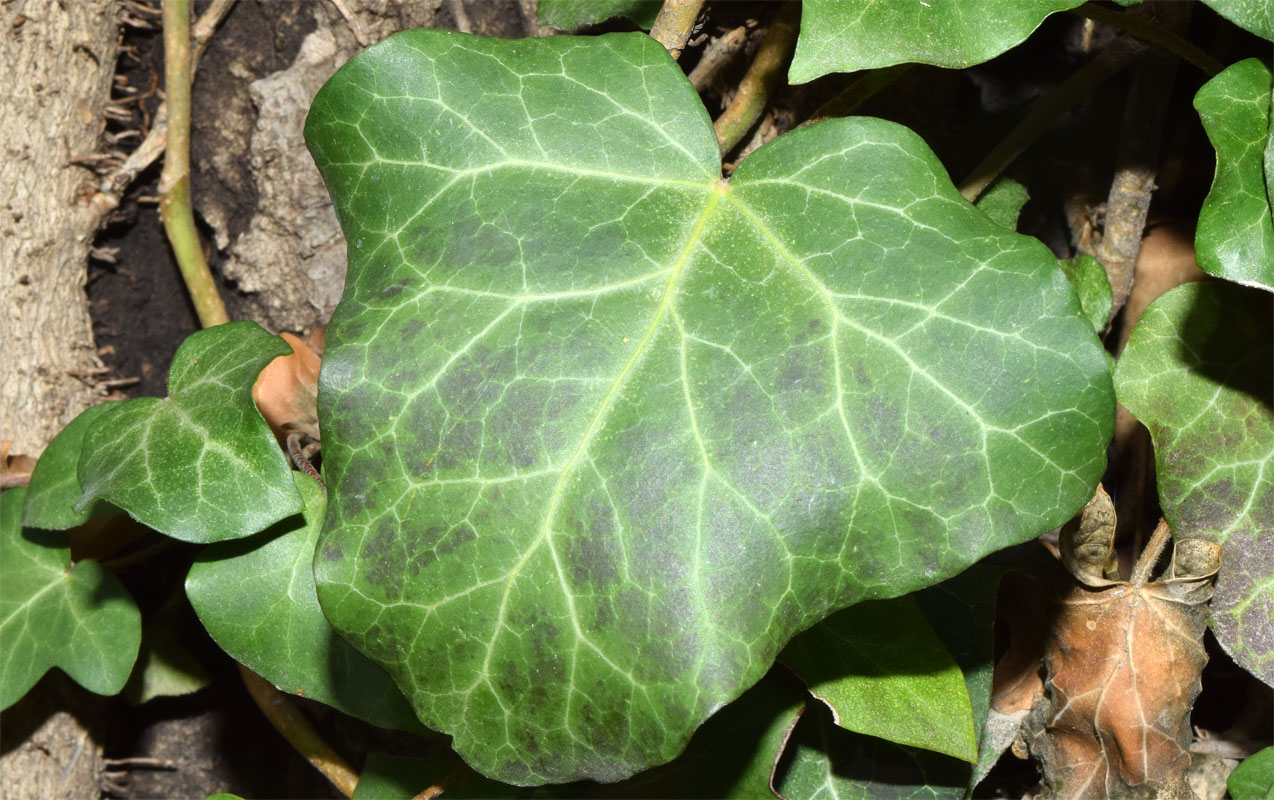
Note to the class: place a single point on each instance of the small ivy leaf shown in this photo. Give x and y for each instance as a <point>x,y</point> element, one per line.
<point>1254,778</point>
<point>1003,202</point>
<point>598,422</point>
<point>849,35</point>
<point>55,489</point>
<point>201,465</point>
<point>1255,16</point>
<point>256,598</point>
<point>823,760</point>
<point>1235,237</point>
<point>80,619</point>
<point>1198,371</point>
<point>883,672</point>
<point>1091,283</point>
<point>164,667</point>
<point>567,15</point>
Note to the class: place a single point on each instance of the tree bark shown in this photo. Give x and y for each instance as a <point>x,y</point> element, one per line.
<point>57,60</point>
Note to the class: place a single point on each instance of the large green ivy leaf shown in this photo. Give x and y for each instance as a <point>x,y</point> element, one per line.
<point>1256,16</point>
<point>883,671</point>
<point>1199,372</point>
<point>603,431</point>
<point>201,465</point>
<point>256,598</point>
<point>80,619</point>
<point>849,35</point>
<point>1235,238</point>
<point>570,14</point>
<point>54,488</point>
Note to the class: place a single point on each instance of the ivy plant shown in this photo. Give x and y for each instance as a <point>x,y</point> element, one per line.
<point>633,461</point>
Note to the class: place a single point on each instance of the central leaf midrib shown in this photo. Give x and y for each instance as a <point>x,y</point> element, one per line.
<point>603,409</point>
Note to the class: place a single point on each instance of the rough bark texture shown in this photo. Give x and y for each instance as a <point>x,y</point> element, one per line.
<point>49,753</point>
<point>56,64</point>
<point>288,255</point>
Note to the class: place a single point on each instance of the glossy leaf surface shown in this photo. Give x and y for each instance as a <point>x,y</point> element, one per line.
<point>256,598</point>
<point>54,489</point>
<point>1198,371</point>
<point>1256,16</point>
<point>201,465</point>
<point>1254,778</point>
<point>570,14</point>
<point>80,619</point>
<point>599,423</point>
<point>883,671</point>
<point>1088,276</point>
<point>1235,238</point>
<point>1003,202</point>
<point>849,35</point>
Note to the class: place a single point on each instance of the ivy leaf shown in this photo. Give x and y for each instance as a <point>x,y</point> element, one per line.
<point>80,619</point>
<point>883,671</point>
<point>164,667</point>
<point>568,15</point>
<point>823,760</point>
<point>1256,16</point>
<point>256,598</point>
<point>1254,778</point>
<point>1235,238</point>
<point>54,488</point>
<point>1091,283</point>
<point>1003,202</point>
<point>599,423</point>
<point>849,35</point>
<point>1198,371</point>
<point>201,465</point>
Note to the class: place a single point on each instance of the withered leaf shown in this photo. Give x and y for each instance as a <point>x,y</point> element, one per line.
<point>1123,663</point>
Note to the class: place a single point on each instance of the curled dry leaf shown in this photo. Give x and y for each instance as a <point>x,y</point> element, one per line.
<point>286,391</point>
<point>1123,663</point>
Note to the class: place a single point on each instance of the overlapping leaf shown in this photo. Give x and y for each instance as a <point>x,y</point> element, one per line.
<point>256,598</point>
<point>1235,238</point>
<point>54,489</point>
<point>201,465</point>
<point>849,35</point>
<point>570,14</point>
<point>80,619</point>
<point>603,431</point>
<point>1254,778</point>
<point>1089,278</point>
<point>1199,372</point>
<point>883,671</point>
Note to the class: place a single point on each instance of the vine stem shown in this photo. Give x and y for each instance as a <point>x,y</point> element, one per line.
<point>760,80</point>
<point>1148,32</point>
<point>860,91</point>
<point>1047,111</point>
<point>1150,556</point>
<point>674,24</point>
<point>294,727</point>
<point>174,181</point>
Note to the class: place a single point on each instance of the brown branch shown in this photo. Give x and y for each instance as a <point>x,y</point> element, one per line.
<point>760,80</point>
<point>294,727</point>
<point>675,23</point>
<point>1150,556</point>
<point>1137,162</point>
<point>716,56</point>
<point>1047,111</point>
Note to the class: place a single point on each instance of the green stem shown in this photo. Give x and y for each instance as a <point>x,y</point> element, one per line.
<point>174,181</point>
<point>294,727</point>
<point>1047,111</point>
<point>1152,34</point>
<point>760,80</point>
<point>675,23</point>
<point>860,91</point>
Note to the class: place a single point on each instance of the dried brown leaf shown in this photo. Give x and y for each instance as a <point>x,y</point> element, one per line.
<point>1123,663</point>
<point>286,391</point>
